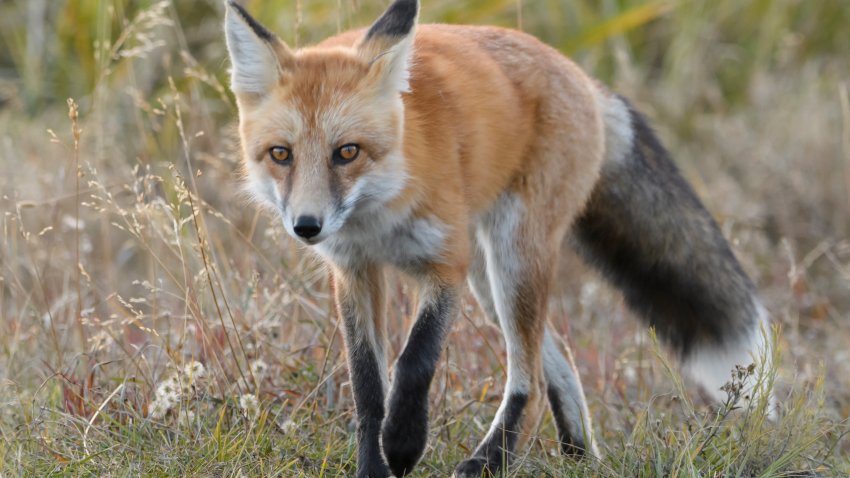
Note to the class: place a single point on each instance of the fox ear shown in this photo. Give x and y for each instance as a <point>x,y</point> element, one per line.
<point>388,45</point>
<point>259,58</point>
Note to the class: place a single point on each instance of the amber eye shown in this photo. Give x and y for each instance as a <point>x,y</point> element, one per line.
<point>346,154</point>
<point>280,155</point>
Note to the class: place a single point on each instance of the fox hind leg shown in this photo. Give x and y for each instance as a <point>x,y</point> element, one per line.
<point>566,397</point>
<point>563,385</point>
<point>518,274</point>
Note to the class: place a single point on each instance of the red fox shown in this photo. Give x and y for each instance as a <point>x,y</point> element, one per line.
<point>469,154</point>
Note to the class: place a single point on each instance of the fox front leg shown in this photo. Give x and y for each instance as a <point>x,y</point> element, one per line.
<point>359,298</point>
<point>405,429</point>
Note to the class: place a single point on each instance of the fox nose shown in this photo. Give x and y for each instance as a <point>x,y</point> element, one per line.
<point>307,226</point>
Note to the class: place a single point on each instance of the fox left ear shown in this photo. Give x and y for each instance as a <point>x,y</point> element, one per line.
<point>259,58</point>
<point>388,45</point>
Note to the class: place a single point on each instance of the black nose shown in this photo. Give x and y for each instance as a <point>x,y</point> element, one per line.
<point>307,226</point>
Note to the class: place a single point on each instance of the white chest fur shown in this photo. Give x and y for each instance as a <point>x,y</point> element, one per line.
<point>386,237</point>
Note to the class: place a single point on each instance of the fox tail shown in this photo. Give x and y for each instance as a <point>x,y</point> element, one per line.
<point>647,232</point>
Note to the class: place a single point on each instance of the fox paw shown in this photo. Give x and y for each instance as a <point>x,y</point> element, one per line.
<point>373,470</point>
<point>476,467</point>
<point>404,436</point>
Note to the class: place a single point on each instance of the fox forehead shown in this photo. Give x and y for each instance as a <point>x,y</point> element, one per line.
<point>327,96</point>
<point>321,76</point>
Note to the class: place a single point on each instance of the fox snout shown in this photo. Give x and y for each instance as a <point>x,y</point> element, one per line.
<point>309,224</point>
<point>312,203</point>
<point>307,227</point>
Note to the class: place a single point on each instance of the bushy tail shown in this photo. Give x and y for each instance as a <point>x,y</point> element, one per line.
<point>645,229</point>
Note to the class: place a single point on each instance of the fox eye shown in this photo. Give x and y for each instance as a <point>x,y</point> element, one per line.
<point>280,155</point>
<point>346,154</point>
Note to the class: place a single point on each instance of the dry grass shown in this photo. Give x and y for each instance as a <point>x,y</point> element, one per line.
<point>128,255</point>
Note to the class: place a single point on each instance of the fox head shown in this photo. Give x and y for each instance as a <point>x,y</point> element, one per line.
<point>321,127</point>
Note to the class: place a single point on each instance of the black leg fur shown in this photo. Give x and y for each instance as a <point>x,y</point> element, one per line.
<point>367,384</point>
<point>570,445</point>
<point>495,453</point>
<point>405,431</point>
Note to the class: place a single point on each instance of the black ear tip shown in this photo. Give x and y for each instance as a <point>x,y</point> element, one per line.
<point>236,6</point>
<point>398,20</point>
<point>259,29</point>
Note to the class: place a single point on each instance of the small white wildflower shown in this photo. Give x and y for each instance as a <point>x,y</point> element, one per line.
<point>288,426</point>
<point>185,388</point>
<point>630,373</point>
<point>169,390</point>
<point>186,417</point>
<point>166,387</point>
<point>259,369</point>
<point>157,409</point>
<point>194,370</point>
<point>250,405</point>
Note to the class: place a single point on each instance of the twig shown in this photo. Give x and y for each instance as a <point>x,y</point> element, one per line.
<point>96,413</point>
<point>76,132</point>
<point>845,116</point>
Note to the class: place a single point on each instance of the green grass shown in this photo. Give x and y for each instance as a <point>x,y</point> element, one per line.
<point>128,254</point>
<point>301,436</point>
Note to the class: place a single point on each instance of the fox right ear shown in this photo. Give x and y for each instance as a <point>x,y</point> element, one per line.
<point>259,58</point>
<point>388,44</point>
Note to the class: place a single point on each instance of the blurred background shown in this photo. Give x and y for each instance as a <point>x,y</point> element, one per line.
<point>128,251</point>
